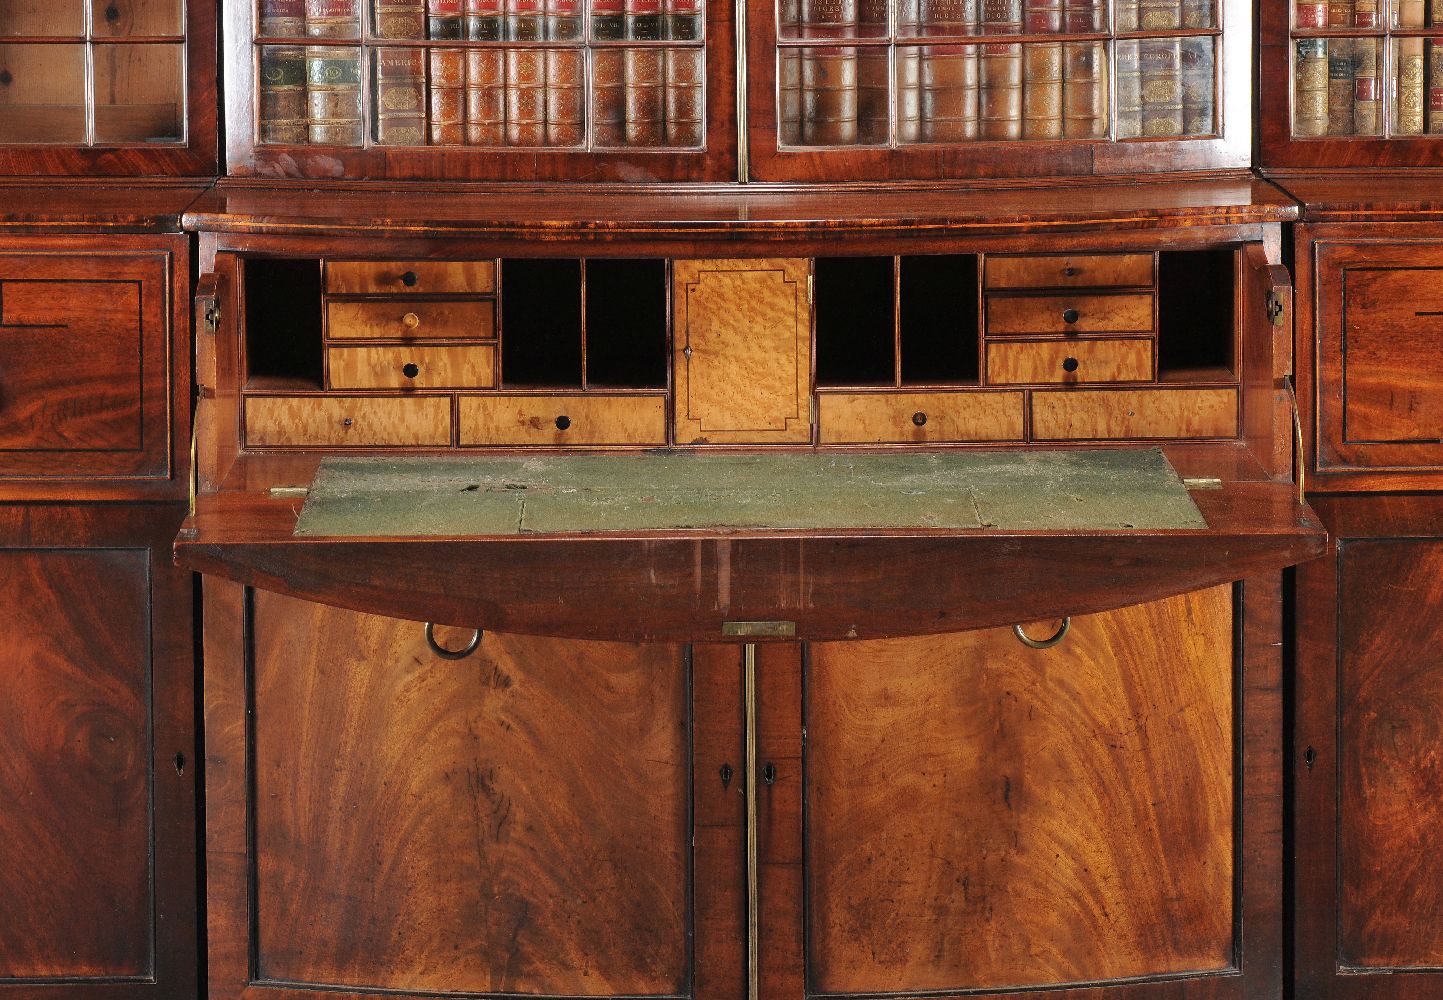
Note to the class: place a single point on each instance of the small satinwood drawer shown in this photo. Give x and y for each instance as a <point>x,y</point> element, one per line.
<point>1108,414</point>
<point>1041,314</point>
<point>405,319</point>
<point>1032,362</point>
<point>563,421</point>
<point>1115,270</point>
<point>359,421</point>
<point>422,277</point>
<point>407,366</point>
<point>905,417</point>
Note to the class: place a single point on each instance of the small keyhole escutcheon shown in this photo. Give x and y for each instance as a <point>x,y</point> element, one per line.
<point>410,369</point>
<point>769,773</point>
<point>725,774</point>
<point>919,418</point>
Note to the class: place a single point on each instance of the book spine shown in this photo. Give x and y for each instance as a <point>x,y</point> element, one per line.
<point>283,114</point>
<point>525,97</point>
<point>1000,72</point>
<point>829,97</point>
<point>608,96</point>
<point>685,113</point>
<point>909,94</point>
<point>643,20</point>
<point>1160,65</point>
<point>1340,86</point>
<point>332,19</point>
<point>565,97</point>
<point>1129,90</point>
<point>563,20</point>
<point>950,93</point>
<point>1042,91</point>
<point>1159,15</point>
<point>1365,15</point>
<point>448,97</point>
<point>525,21</point>
<point>401,97</point>
<point>682,20</point>
<point>1435,13</point>
<point>1126,15</point>
<point>1435,87</point>
<point>645,97</point>
<point>486,97</point>
<point>608,23</point>
<point>485,20</point>
<point>1367,94</point>
<point>281,19</point>
<point>1340,13</point>
<point>445,20</point>
<point>400,18</point>
<point>1411,88</point>
<point>789,97</point>
<point>333,95</point>
<point>1308,14</point>
<point>1198,86</point>
<point>828,18</point>
<point>1082,16</point>
<point>947,17</point>
<point>1084,90</point>
<point>1197,13</point>
<point>873,95</point>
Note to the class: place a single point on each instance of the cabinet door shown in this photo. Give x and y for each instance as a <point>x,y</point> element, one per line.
<point>743,363</point>
<point>516,821</point>
<point>97,837</point>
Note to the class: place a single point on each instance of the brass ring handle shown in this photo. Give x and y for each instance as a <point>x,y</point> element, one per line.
<point>1047,643</point>
<point>451,654</point>
<point>411,321</point>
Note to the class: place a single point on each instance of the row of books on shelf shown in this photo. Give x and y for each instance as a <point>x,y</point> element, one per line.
<point>1313,15</point>
<point>998,92</point>
<point>530,97</point>
<point>840,19</point>
<point>1337,90</point>
<point>485,20</point>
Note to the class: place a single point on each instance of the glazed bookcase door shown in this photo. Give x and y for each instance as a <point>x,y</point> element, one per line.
<point>482,89</point>
<point>119,87</point>
<point>993,88</point>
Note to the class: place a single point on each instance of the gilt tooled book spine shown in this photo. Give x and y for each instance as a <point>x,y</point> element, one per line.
<point>1084,90</point>
<point>565,97</point>
<point>1367,94</point>
<point>1042,91</point>
<point>608,97</point>
<point>829,97</point>
<point>1310,14</point>
<point>401,97</point>
<point>1197,13</point>
<point>1365,13</point>
<point>1082,16</point>
<point>445,20</point>
<point>333,95</point>
<point>828,18</point>
<point>1159,63</point>
<point>645,99</point>
<point>608,23</point>
<point>281,19</point>
<point>562,20</point>
<point>1129,90</point>
<point>447,99</point>
<point>643,20</point>
<point>1340,13</point>
<point>1435,87</point>
<point>283,114</point>
<point>1000,73</point>
<point>1340,86</point>
<point>685,111</point>
<point>1125,15</point>
<point>485,20</point>
<point>486,97</point>
<point>1198,87</point>
<point>682,20</point>
<point>1159,15</point>
<point>1410,74</point>
<point>525,21</point>
<point>950,93</point>
<point>333,18</point>
<point>947,17</point>
<point>400,18</point>
<point>525,97</point>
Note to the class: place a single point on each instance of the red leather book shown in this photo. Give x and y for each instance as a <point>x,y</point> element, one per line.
<point>445,20</point>
<point>1000,72</point>
<point>563,20</point>
<point>525,20</point>
<point>608,23</point>
<point>643,20</point>
<point>448,97</point>
<point>565,97</point>
<point>645,97</point>
<point>608,98</point>
<point>685,113</point>
<point>401,97</point>
<point>485,20</point>
<point>525,97</point>
<point>486,97</point>
<point>683,20</point>
<point>333,19</point>
<point>281,19</point>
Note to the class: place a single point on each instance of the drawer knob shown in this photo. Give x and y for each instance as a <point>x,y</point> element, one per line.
<point>1070,315</point>
<point>1069,272</point>
<point>563,422</point>
<point>409,279</point>
<point>410,369</point>
<point>411,321</point>
<point>1069,364</point>
<point>919,418</point>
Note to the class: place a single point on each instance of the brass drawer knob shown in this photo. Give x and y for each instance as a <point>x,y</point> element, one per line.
<point>1069,364</point>
<point>1070,315</point>
<point>1069,272</point>
<point>411,321</point>
<point>919,418</point>
<point>410,369</point>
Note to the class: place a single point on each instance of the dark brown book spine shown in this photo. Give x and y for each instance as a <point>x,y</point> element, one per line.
<point>831,19</point>
<point>829,97</point>
<point>1160,64</point>
<point>333,19</point>
<point>1081,16</point>
<point>1340,13</point>
<point>947,17</point>
<point>525,21</point>
<point>565,97</point>
<point>909,94</point>
<point>1084,90</point>
<point>608,95</point>
<point>1198,87</point>
<point>1042,91</point>
<point>873,95</point>
<point>1198,13</point>
<point>1340,86</point>
<point>645,97</point>
<point>401,97</point>
<point>1000,72</point>
<point>1435,87</point>
<point>789,97</point>
<point>445,20</point>
<point>1367,94</point>
<point>486,97</point>
<point>448,97</point>
<point>643,20</point>
<point>1129,90</point>
<point>682,20</point>
<point>685,114</point>
<point>281,19</point>
<point>485,20</point>
<point>949,93</point>
<point>1309,14</point>
<point>400,18</point>
<point>525,97</point>
<point>333,95</point>
<point>283,114</point>
<point>1365,15</point>
<point>563,20</point>
<point>608,22</point>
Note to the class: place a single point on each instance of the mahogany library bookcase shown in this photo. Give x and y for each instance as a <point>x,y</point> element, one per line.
<point>669,499</point>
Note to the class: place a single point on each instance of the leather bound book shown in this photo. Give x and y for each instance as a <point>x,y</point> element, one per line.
<point>950,93</point>
<point>1435,13</point>
<point>1159,15</point>
<point>643,20</point>
<point>565,97</point>
<point>525,20</point>
<point>999,111</point>
<point>1310,14</point>
<point>1159,63</point>
<point>448,97</point>
<point>1340,13</point>
<point>563,20</point>
<point>682,20</point>
<point>1367,94</point>
<point>486,97</point>
<point>947,17</point>
<point>1198,87</point>
<point>333,19</point>
<point>1126,15</point>
<point>525,97</point>
<point>685,113</point>
<point>829,97</point>
<point>1435,87</point>
<point>909,94</point>
<point>333,95</point>
<point>608,98</point>
<point>1197,13</point>
<point>872,18</point>
<point>1042,91</point>
<point>1340,86</point>
<point>1129,90</point>
<point>1411,87</point>
<point>281,19</point>
<point>1365,15</point>
<point>283,114</point>
<point>608,24</point>
<point>1001,17</point>
<point>400,18</point>
<point>445,20</point>
<point>874,93</point>
<point>789,97</point>
<point>1084,90</point>
<point>1310,88</point>
<point>1042,17</point>
<point>401,97</point>
<point>645,97</point>
<point>485,20</point>
<point>1083,16</point>
<point>828,18</point>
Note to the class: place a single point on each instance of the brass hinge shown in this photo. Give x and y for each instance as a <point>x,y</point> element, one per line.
<point>1275,308</point>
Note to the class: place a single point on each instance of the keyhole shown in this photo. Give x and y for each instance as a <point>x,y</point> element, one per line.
<point>180,764</point>
<point>1310,755</point>
<point>919,418</point>
<point>769,773</point>
<point>726,773</point>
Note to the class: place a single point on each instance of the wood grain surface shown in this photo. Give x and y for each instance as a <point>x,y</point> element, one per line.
<point>427,277</point>
<point>470,366</point>
<point>1116,414</point>
<point>887,417</point>
<point>290,421</point>
<point>1033,362</point>
<point>1393,360</point>
<point>514,822</point>
<point>563,421</point>
<point>981,814</point>
<point>1073,270</point>
<point>410,319</point>
<point>1022,314</point>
